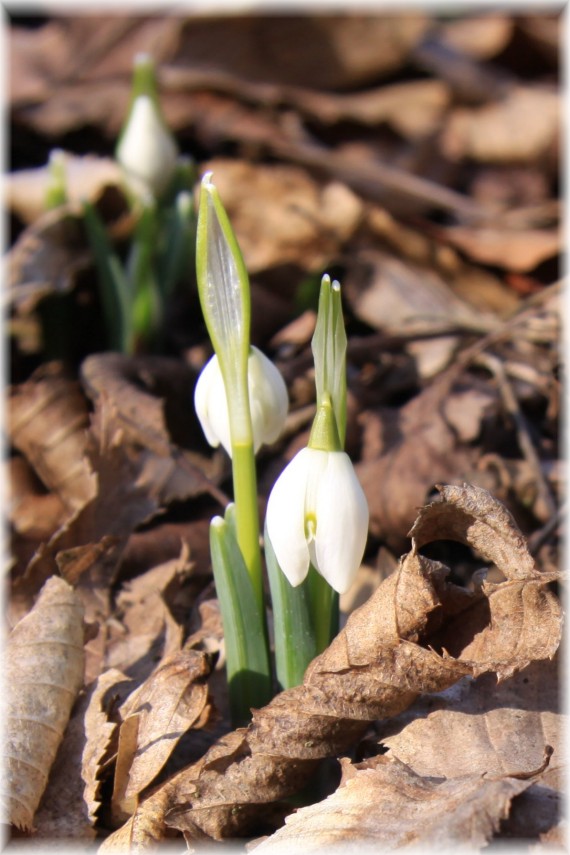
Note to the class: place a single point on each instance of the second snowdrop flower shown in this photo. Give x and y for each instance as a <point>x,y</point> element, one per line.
<point>268,402</point>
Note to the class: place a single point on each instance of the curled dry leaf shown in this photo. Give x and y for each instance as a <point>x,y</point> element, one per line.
<point>47,421</point>
<point>44,672</point>
<point>46,259</point>
<point>385,657</point>
<point>154,718</point>
<point>385,805</point>
<point>494,730</point>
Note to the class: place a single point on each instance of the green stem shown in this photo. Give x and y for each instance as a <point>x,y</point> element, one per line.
<point>324,609</point>
<point>247,515</point>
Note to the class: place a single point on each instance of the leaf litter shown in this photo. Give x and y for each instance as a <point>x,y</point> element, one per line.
<point>434,718</point>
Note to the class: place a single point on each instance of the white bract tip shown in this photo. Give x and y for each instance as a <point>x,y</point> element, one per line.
<point>317,513</point>
<point>147,151</point>
<point>268,402</point>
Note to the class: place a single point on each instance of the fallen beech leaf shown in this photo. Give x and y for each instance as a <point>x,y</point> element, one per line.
<point>46,259</point>
<point>293,220</point>
<point>408,449</point>
<point>44,672</point>
<point>493,729</point>
<point>388,292</point>
<point>385,657</point>
<point>519,128</point>
<point>144,630</point>
<point>119,506</point>
<point>152,401</point>
<point>171,701</point>
<point>384,805</point>
<point>32,512</point>
<point>68,807</point>
<point>48,422</point>
<point>99,734</point>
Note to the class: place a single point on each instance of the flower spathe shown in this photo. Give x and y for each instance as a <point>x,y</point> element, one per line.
<point>317,513</point>
<point>268,402</point>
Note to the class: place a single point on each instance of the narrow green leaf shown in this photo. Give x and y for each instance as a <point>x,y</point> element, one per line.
<point>177,256</point>
<point>146,299</point>
<point>247,653</point>
<point>295,644</point>
<point>113,283</point>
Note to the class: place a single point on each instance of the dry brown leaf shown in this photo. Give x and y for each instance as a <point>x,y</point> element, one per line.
<point>151,398</point>
<point>43,674</point>
<point>374,669</point>
<point>404,454</point>
<point>154,718</point>
<point>385,805</point>
<point>68,808</point>
<point>100,731</point>
<point>145,630</point>
<point>86,177</point>
<point>283,216</point>
<point>480,36</point>
<point>519,251</point>
<point>32,512</point>
<point>494,729</point>
<point>521,127</point>
<point>48,420</point>
<point>46,259</point>
<point>388,293</point>
<point>119,506</point>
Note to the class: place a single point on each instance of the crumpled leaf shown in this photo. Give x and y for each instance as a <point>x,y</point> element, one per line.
<point>100,734</point>
<point>121,504</point>
<point>46,259</point>
<point>384,805</point>
<point>155,716</point>
<point>145,630</point>
<point>152,402</point>
<point>493,729</point>
<point>48,422</point>
<point>43,674</point>
<point>386,655</point>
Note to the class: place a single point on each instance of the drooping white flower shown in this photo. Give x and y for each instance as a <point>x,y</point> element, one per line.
<point>268,401</point>
<point>147,151</point>
<point>317,513</point>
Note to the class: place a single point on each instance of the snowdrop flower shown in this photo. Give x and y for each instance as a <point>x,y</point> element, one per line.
<point>147,151</point>
<point>268,402</point>
<point>317,513</point>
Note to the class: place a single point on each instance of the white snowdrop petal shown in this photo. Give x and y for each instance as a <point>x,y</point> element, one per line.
<point>285,518</point>
<point>211,406</point>
<point>266,386</point>
<point>342,522</point>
